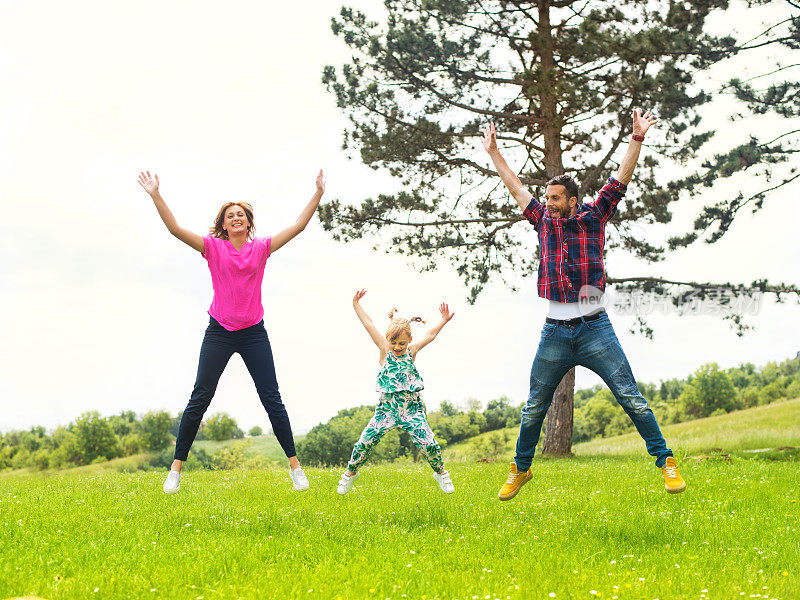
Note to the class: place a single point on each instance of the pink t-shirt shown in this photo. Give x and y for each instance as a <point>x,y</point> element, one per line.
<point>236,277</point>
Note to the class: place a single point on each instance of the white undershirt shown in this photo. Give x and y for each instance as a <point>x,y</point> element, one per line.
<point>563,311</point>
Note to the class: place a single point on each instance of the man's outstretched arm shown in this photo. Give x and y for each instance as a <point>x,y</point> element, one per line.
<point>641,123</point>
<point>510,179</point>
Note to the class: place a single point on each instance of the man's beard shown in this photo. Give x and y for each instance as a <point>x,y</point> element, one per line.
<point>559,213</point>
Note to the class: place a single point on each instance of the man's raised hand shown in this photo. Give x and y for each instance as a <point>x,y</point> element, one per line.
<point>641,123</point>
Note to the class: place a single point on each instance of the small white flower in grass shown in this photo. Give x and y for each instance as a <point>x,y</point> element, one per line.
<point>613,562</point>
<point>593,592</point>
<point>552,594</point>
<point>96,590</point>
<point>641,578</point>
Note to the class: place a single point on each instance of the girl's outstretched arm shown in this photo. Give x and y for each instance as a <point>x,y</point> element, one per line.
<point>150,185</point>
<point>431,334</point>
<point>366,321</point>
<point>285,236</point>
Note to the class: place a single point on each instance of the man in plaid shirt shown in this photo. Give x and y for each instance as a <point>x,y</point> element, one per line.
<point>571,238</point>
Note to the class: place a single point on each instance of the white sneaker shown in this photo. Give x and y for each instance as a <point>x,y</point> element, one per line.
<point>445,483</point>
<point>299,479</point>
<point>173,482</point>
<point>346,482</point>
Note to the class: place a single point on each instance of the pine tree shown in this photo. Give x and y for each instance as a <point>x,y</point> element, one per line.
<point>559,78</point>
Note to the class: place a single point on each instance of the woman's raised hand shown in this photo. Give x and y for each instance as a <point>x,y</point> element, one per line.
<point>320,183</point>
<point>359,295</point>
<point>150,184</point>
<point>445,310</point>
<point>490,138</point>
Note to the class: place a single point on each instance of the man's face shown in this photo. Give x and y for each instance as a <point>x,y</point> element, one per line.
<point>558,205</point>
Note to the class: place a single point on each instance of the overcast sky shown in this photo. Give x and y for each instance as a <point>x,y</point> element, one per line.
<point>101,309</point>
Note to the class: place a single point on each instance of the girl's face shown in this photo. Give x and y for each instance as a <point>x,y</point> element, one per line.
<point>235,221</point>
<point>399,345</point>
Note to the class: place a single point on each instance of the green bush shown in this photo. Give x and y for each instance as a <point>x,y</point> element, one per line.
<point>132,444</point>
<point>222,427</point>
<point>709,390</point>
<point>154,430</point>
<point>41,459</point>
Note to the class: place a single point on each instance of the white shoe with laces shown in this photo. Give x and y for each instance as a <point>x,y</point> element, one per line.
<point>173,482</point>
<point>445,483</point>
<point>346,482</point>
<point>299,479</point>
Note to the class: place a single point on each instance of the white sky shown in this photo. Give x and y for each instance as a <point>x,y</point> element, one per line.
<point>101,309</point>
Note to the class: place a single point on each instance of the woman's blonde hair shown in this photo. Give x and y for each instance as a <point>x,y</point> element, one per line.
<point>399,326</point>
<point>218,232</point>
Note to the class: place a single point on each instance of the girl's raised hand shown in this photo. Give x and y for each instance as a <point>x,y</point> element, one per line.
<point>148,183</point>
<point>359,295</point>
<point>490,138</point>
<point>320,183</point>
<point>445,310</point>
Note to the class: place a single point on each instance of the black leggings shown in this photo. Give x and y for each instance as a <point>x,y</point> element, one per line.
<point>219,344</point>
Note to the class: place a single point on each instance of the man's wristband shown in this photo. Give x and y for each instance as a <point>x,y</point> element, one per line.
<point>638,138</point>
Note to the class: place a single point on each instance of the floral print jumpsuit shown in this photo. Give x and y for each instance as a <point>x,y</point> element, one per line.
<point>400,406</point>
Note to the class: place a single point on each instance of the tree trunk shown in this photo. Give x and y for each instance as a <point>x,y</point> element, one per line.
<point>558,427</point>
<point>548,113</point>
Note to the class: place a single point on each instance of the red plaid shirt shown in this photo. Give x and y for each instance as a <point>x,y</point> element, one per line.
<point>571,250</point>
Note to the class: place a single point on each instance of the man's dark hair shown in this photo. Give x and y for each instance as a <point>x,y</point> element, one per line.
<point>568,183</point>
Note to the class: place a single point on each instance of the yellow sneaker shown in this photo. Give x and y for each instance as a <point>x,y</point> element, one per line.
<point>514,482</point>
<point>673,482</point>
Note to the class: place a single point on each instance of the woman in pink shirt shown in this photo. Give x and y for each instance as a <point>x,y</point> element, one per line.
<point>236,259</point>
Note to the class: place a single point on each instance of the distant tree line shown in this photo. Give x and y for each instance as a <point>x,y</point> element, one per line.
<point>710,391</point>
<point>92,438</point>
<point>331,443</point>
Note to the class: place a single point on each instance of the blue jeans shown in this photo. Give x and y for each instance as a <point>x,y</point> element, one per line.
<point>594,345</point>
<point>219,344</point>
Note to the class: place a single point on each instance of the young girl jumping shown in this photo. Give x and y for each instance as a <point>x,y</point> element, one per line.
<point>400,404</point>
<point>236,259</point>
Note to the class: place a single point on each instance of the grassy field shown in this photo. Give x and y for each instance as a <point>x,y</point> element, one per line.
<point>594,526</point>
<point>584,528</point>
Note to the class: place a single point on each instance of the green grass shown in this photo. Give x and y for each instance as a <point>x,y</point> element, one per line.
<point>770,426</point>
<point>266,446</point>
<point>599,522</point>
<point>583,525</point>
<point>125,464</point>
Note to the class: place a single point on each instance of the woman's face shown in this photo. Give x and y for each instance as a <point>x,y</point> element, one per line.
<point>235,222</point>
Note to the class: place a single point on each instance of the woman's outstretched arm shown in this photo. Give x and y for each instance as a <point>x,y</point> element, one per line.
<point>431,334</point>
<point>150,185</point>
<point>292,231</point>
